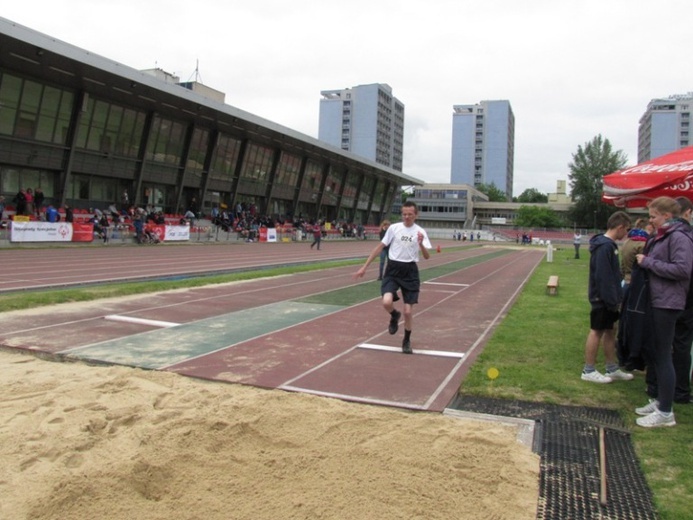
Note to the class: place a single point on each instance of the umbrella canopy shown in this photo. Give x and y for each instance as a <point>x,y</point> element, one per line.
<point>669,175</point>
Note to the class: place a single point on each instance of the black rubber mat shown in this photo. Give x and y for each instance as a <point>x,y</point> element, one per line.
<point>568,440</point>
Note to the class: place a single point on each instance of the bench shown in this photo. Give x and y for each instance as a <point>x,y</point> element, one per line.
<point>552,286</point>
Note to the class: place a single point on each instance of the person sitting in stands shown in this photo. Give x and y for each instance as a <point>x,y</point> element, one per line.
<point>103,226</point>
<point>52,214</point>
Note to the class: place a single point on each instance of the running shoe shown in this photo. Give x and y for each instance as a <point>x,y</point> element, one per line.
<point>595,377</point>
<point>648,408</point>
<point>394,322</point>
<point>619,375</point>
<point>656,419</point>
<point>406,346</point>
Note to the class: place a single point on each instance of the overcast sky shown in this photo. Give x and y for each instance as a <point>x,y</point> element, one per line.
<point>571,69</point>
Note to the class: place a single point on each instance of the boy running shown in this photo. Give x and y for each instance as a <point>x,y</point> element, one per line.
<point>405,241</point>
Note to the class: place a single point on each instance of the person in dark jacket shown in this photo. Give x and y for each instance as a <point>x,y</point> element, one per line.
<point>668,259</point>
<point>604,292</point>
<point>383,254</point>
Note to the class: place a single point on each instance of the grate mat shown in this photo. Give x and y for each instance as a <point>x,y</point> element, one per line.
<point>567,439</point>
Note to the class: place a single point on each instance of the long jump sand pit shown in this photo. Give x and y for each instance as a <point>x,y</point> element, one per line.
<point>85,442</point>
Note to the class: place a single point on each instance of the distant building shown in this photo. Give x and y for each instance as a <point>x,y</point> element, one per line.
<point>665,126</point>
<point>446,205</point>
<point>561,196</point>
<point>483,144</point>
<point>366,120</point>
<point>195,86</point>
<point>461,206</point>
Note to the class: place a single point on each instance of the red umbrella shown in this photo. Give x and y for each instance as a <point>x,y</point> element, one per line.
<point>670,175</point>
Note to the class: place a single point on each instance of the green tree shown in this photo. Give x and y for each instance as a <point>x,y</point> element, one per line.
<point>590,164</point>
<point>492,191</point>
<point>531,195</point>
<point>538,217</point>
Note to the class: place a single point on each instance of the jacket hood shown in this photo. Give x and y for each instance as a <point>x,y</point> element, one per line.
<point>599,240</point>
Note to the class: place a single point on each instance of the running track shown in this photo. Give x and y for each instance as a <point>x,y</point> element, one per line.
<point>283,332</point>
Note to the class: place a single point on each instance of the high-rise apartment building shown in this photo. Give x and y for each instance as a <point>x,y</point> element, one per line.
<point>483,145</point>
<point>366,120</point>
<point>665,126</point>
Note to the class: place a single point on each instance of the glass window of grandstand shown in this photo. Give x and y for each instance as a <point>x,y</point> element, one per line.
<point>378,196</point>
<point>256,169</point>
<point>158,197</point>
<point>366,192</point>
<point>198,150</point>
<point>32,110</point>
<point>225,158</point>
<point>284,185</point>
<point>89,191</point>
<point>288,170</point>
<point>333,185</point>
<point>310,187</point>
<point>166,140</point>
<point>350,187</point>
<point>109,128</point>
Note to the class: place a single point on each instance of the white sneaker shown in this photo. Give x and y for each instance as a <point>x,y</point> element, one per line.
<point>648,408</point>
<point>656,419</point>
<point>619,375</point>
<point>595,377</point>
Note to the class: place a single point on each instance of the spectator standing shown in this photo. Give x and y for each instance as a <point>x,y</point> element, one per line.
<point>605,296</point>
<point>683,333</point>
<point>317,236</point>
<point>577,240</point>
<point>383,254</point>
<point>634,244</point>
<point>20,202</point>
<point>668,260</point>
<point>39,198</point>
<point>29,196</point>
<point>69,213</point>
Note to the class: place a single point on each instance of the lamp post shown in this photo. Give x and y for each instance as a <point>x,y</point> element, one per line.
<point>595,220</point>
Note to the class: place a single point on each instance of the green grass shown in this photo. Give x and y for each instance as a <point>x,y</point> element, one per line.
<point>539,351</point>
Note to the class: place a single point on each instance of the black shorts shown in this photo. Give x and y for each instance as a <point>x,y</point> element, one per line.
<point>404,276</point>
<point>602,318</point>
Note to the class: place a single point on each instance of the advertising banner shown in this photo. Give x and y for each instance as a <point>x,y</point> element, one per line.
<point>40,232</point>
<point>177,233</point>
<point>82,232</point>
<point>271,235</point>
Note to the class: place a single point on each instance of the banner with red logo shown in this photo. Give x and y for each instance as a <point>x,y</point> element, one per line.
<point>38,231</point>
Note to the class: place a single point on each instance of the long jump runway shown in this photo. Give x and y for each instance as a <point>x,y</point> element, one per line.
<point>290,333</point>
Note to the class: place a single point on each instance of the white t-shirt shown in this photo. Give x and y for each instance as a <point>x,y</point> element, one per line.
<point>404,243</point>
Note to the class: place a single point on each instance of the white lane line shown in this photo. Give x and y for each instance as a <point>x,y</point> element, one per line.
<point>140,321</point>
<point>447,283</point>
<point>354,398</point>
<point>439,353</point>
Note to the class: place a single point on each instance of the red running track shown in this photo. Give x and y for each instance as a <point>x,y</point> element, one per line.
<point>345,353</point>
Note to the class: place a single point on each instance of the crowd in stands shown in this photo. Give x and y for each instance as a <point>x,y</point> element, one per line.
<point>128,218</point>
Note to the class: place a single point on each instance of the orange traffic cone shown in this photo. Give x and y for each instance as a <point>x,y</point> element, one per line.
<point>438,249</point>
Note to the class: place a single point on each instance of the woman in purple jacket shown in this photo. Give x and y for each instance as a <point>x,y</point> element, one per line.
<point>668,260</point>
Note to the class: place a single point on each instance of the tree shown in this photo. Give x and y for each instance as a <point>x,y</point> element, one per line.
<point>590,164</point>
<point>492,191</point>
<point>537,217</point>
<point>531,195</point>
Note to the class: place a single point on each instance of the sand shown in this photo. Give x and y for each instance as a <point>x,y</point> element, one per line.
<point>84,442</point>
